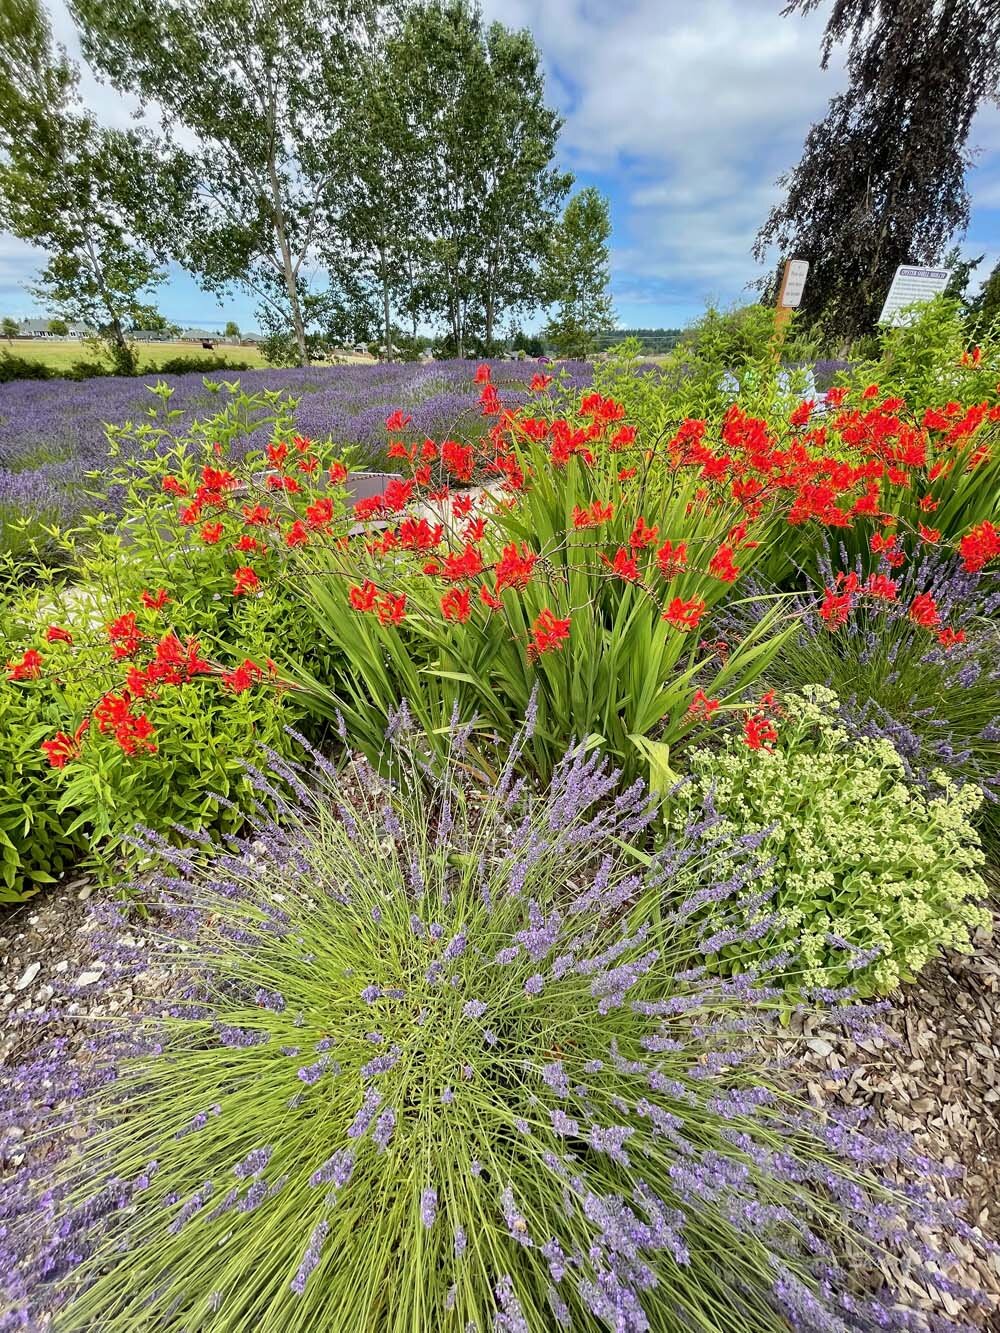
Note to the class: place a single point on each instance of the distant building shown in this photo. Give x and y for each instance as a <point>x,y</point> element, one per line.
<point>39,328</point>
<point>152,335</point>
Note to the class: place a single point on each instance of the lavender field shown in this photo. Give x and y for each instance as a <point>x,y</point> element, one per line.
<point>52,436</point>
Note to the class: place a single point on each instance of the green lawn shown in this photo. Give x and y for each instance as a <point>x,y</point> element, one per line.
<point>60,354</point>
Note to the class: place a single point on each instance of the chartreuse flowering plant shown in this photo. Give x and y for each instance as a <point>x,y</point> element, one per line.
<point>439,1063</point>
<point>868,875</point>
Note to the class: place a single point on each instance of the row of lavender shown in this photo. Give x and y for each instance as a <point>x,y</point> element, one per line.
<point>52,433</point>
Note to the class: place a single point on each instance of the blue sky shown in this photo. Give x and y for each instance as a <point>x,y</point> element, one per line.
<point>683,114</point>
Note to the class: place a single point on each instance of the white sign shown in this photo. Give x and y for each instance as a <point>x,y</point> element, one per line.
<point>793,284</point>
<point>912,285</point>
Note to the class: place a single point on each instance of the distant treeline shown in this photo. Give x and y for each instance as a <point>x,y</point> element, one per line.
<point>653,340</point>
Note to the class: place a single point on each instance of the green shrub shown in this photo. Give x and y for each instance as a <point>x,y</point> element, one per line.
<point>193,363</point>
<point>860,858</point>
<point>434,1066</point>
<point>14,367</point>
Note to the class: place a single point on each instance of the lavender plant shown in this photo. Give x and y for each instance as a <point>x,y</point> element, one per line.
<point>438,1063</point>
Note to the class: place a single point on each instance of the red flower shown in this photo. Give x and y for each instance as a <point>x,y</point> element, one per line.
<point>210,533</point>
<point>297,534</point>
<point>396,495</point>
<point>513,569</point>
<point>548,632</point>
<point>390,609</point>
<point>624,565</point>
<point>363,598</point>
<point>871,392</point>
<point>56,635</point>
<point>277,453</point>
<point>641,535</point>
<point>672,559</point>
<point>924,611</point>
<point>283,483</point>
<point>759,732</point>
<point>242,677</point>
<point>800,416</point>
<point>124,635</point>
<point>422,474</point>
<point>245,581</point>
<point>455,604</point>
<point>835,397</point>
<point>416,534</point>
<point>308,465</point>
<point>490,400</point>
<point>464,566</point>
<point>368,508</point>
<point>458,459</point>
<point>622,439</point>
<point>721,565</point>
<point>626,474</point>
<point>930,535</point>
<point>594,516</point>
<point>337,473</point>
<point>397,421</point>
<point>835,608</point>
<point>979,546</point>
<point>320,512</point>
<point>475,530</point>
<point>191,513</point>
<point>949,637</point>
<point>489,599</point>
<point>62,747</point>
<point>216,480</point>
<point>302,443</point>
<point>462,505</point>
<point>113,714</point>
<point>684,615</point>
<point>702,707</point>
<point>482,375</point>
<point>879,586</point>
<point>257,515</point>
<point>156,603</point>
<point>29,667</point>
<point>174,487</point>
<point>539,383</point>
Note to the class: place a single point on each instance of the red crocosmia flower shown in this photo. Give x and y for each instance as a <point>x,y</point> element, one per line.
<point>626,474</point>
<point>800,416</point>
<point>880,543</point>
<point>363,598</point>
<point>337,473</point>
<point>548,632</point>
<point>642,536</point>
<point>155,602</point>
<point>215,479</point>
<point>455,605</point>
<point>175,662</point>
<point>241,678</point>
<point>210,533</point>
<point>422,474</point>
<point>257,515</point>
<point>190,513</point>
<point>622,439</point>
<point>489,599</point>
<point>928,504</point>
<point>835,396</point>
<point>63,747</point>
<point>848,582</point>
<point>973,358</point>
<point>320,512</point>
<point>396,495</point>
<point>428,451</point>
<point>930,535</point>
<point>475,530</point>
<point>29,667</point>
<point>949,637</point>
<point>462,505</point>
<point>124,635</point>
<point>391,610</point>
<point>701,707</point>
<point>624,565</point>
<point>297,534</point>
<point>55,634</point>
<point>174,487</point>
<point>113,715</point>
<point>924,611</point>
<point>684,615</point>
<point>835,608</point>
<point>759,732</point>
<point>539,383</point>
<point>871,392</point>
<point>513,569</point>
<point>482,375</point>
<point>979,546</point>
<point>464,565</point>
<point>399,450</point>
<point>308,465</point>
<point>416,534</point>
<point>490,400</point>
<point>594,516</point>
<point>245,580</point>
<point>672,559</point>
<point>879,586</point>
<point>277,453</point>
<point>721,565</point>
<point>397,421</point>
<point>302,443</point>
<point>458,459</point>
<point>368,508</point>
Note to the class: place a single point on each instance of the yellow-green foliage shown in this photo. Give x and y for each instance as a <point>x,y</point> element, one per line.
<point>861,860</point>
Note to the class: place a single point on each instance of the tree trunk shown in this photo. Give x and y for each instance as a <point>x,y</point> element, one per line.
<point>288,269</point>
<point>386,311</point>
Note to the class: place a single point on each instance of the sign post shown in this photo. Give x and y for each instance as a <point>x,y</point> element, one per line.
<point>793,283</point>
<point>912,285</point>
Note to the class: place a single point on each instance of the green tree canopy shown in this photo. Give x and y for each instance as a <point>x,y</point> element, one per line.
<point>577,276</point>
<point>100,203</point>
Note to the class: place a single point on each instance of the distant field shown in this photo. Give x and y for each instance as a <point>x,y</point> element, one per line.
<point>60,354</point>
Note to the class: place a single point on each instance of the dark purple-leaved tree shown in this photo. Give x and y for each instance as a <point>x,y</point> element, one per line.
<point>882,180</point>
